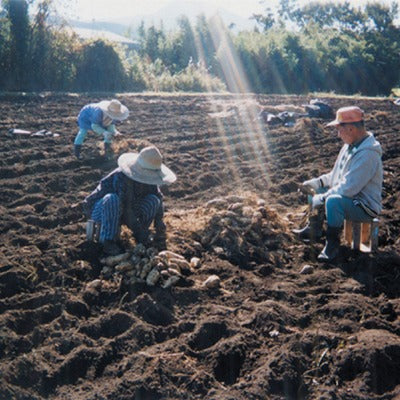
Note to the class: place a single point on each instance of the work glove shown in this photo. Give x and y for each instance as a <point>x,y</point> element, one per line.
<point>317,201</point>
<point>314,183</point>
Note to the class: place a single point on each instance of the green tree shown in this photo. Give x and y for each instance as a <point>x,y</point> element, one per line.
<point>64,60</point>
<point>187,43</point>
<point>17,12</point>
<point>4,49</point>
<point>381,17</point>
<point>382,40</point>
<point>100,68</point>
<point>267,21</point>
<point>153,39</point>
<point>205,46</point>
<point>341,16</point>
<point>41,44</point>
<point>336,47</point>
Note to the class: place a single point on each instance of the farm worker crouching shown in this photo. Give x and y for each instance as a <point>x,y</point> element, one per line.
<point>99,118</point>
<point>131,195</point>
<point>353,188</point>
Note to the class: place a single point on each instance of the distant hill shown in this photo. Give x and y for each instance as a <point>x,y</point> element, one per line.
<point>170,13</point>
<point>115,27</point>
<point>87,33</point>
<point>169,16</point>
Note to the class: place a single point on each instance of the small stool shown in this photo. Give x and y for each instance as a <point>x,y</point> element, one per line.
<point>362,236</point>
<point>92,230</point>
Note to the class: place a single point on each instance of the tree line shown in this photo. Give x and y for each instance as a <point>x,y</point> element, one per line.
<point>324,47</point>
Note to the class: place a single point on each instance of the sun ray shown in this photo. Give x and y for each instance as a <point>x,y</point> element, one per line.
<point>255,143</point>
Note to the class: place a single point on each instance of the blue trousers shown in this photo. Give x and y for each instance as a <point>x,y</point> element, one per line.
<point>80,137</point>
<point>338,208</point>
<point>107,211</point>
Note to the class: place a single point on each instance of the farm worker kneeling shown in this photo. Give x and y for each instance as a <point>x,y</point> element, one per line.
<point>353,189</point>
<point>99,118</point>
<point>130,195</point>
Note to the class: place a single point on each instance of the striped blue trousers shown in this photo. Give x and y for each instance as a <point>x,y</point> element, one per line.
<point>107,212</point>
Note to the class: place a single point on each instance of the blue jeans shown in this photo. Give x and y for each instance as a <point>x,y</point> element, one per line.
<point>338,208</point>
<point>80,137</point>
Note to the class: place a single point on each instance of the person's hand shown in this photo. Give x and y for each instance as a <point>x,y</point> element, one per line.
<point>317,201</point>
<point>314,183</point>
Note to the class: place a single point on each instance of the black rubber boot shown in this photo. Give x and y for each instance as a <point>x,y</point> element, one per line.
<point>313,231</point>
<point>160,237</point>
<point>160,228</point>
<point>331,249</point>
<point>77,151</point>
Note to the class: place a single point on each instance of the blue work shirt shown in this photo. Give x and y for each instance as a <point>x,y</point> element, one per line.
<point>92,114</point>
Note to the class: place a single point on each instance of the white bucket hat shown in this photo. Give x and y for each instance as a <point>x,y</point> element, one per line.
<point>146,167</point>
<point>114,109</point>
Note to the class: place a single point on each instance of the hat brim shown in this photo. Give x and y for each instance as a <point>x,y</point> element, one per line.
<point>333,123</point>
<point>118,116</point>
<point>131,168</point>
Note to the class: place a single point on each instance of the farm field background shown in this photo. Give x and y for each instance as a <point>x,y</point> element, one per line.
<point>268,332</point>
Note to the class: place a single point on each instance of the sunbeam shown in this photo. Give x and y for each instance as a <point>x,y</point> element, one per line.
<point>254,145</point>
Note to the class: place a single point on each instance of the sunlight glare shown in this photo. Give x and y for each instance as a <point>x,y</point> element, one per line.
<point>254,145</point>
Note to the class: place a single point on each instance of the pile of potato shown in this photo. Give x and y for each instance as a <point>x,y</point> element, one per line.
<point>163,268</point>
<point>243,229</point>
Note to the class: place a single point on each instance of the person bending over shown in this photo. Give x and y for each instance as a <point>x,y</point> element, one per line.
<point>99,118</point>
<point>130,195</point>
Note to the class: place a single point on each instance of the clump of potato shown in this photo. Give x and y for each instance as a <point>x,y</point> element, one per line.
<point>243,229</point>
<point>162,268</point>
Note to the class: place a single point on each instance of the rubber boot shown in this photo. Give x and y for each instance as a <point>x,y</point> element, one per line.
<point>313,231</point>
<point>331,249</point>
<point>108,153</point>
<point>160,237</point>
<point>77,151</point>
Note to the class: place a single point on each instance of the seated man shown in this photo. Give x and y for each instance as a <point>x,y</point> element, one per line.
<point>353,189</point>
<point>130,195</point>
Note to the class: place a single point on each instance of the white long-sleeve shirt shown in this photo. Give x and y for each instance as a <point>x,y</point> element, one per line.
<point>358,174</point>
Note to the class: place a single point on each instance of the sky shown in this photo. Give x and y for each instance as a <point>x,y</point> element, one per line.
<point>99,9</point>
<point>114,9</point>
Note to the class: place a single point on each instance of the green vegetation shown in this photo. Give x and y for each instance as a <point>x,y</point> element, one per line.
<point>320,47</point>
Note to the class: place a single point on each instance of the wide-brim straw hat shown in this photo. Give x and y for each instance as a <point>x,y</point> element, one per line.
<point>146,167</point>
<point>347,115</point>
<point>114,109</point>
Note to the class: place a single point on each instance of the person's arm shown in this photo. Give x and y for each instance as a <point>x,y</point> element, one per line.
<point>325,179</point>
<point>98,129</point>
<point>362,168</point>
<point>97,121</point>
<point>105,186</point>
<point>111,128</point>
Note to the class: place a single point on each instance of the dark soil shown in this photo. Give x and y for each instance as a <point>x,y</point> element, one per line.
<point>269,331</point>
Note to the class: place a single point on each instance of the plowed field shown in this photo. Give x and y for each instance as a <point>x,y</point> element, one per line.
<point>68,331</point>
